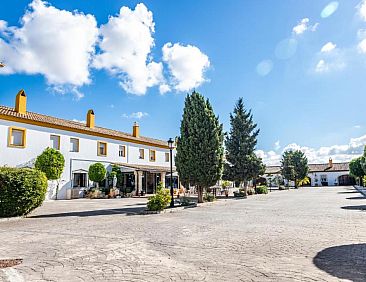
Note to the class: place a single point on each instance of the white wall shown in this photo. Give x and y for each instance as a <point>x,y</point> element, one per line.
<point>38,138</point>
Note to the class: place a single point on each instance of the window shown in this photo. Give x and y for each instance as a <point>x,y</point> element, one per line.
<point>167,157</point>
<point>55,142</point>
<point>152,155</point>
<point>16,137</point>
<point>102,148</point>
<point>323,178</point>
<point>142,153</point>
<point>74,145</point>
<point>122,151</point>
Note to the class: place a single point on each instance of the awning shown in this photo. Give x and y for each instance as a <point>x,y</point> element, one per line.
<point>148,168</point>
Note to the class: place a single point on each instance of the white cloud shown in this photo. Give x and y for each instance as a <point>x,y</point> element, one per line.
<point>328,47</point>
<point>187,65</point>
<point>136,115</point>
<point>322,66</point>
<point>334,64</point>
<point>357,126</point>
<point>361,47</point>
<point>362,10</point>
<point>164,88</point>
<point>80,121</point>
<point>55,43</point>
<point>339,153</point>
<point>277,145</point>
<point>303,26</point>
<point>126,42</point>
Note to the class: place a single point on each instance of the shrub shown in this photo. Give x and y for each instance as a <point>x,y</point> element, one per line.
<point>240,193</point>
<point>21,190</point>
<point>52,163</point>
<point>97,173</point>
<point>209,197</point>
<point>185,201</point>
<point>261,190</point>
<point>160,200</point>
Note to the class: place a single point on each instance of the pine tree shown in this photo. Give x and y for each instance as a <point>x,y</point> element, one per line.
<point>242,164</point>
<point>199,158</point>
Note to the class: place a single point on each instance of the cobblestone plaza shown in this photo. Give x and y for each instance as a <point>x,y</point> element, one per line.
<point>309,234</point>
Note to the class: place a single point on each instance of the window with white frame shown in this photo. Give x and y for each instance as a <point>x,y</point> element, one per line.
<point>142,153</point>
<point>152,155</point>
<point>55,142</point>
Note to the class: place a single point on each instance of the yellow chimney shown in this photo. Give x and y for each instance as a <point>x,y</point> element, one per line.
<point>330,162</point>
<point>21,102</point>
<point>136,130</point>
<point>90,119</point>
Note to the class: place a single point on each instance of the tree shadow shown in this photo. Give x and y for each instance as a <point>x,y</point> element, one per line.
<point>360,207</point>
<point>348,192</point>
<point>343,262</point>
<point>356,198</point>
<point>125,211</point>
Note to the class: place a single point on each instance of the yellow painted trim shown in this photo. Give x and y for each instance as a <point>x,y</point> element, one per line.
<point>150,155</point>
<point>143,154</point>
<point>76,130</point>
<point>78,148</point>
<point>24,138</point>
<point>106,149</point>
<point>59,140</point>
<point>167,154</point>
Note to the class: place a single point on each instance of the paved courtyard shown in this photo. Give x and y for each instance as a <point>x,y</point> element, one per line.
<point>310,234</point>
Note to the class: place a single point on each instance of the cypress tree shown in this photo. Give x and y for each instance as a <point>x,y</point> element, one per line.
<point>199,158</point>
<point>242,164</point>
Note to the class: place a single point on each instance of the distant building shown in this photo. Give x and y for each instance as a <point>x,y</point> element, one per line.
<point>143,161</point>
<point>328,174</point>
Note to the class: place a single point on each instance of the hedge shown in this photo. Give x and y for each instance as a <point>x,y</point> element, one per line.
<point>21,190</point>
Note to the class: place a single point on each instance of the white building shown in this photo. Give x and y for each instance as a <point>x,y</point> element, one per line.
<point>144,161</point>
<point>329,174</point>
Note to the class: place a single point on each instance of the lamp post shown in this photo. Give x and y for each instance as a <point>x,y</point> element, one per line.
<point>170,143</point>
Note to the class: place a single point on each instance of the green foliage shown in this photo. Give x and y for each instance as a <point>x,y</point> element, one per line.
<point>250,192</point>
<point>242,163</point>
<point>97,172</point>
<point>294,166</point>
<point>209,197</point>
<point>240,193</point>
<point>21,190</point>
<point>225,184</point>
<point>356,168</point>
<point>261,190</point>
<point>160,200</point>
<point>304,181</point>
<point>51,162</point>
<point>199,158</point>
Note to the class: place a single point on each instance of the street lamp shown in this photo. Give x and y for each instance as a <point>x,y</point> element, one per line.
<point>170,143</point>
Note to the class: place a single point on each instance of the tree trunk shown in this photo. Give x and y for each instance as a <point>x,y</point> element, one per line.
<point>295,183</point>
<point>245,183</point>
<point>200,194</point>
<point>57,187</point>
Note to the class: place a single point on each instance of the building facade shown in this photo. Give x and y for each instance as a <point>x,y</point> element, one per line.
<point>328,174</point>
<point>143,161</point>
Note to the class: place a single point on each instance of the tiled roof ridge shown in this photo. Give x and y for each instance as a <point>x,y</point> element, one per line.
<point>28,116</point>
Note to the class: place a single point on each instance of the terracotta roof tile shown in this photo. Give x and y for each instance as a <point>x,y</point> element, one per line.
<point>314,168</point>
<point>30,117</point>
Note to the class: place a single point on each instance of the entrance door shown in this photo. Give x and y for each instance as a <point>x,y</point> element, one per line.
<point>80,180</point>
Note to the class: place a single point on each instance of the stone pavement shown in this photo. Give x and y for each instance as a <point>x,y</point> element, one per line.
<point>310,234</point>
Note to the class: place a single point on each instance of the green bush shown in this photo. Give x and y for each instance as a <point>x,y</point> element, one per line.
<point>209,197</point>
<point>97,173</point>
<point>261,190</point>
<point>239,193</point>
<point>250,191</point>
<point>21,190</point>
<point>185,201</point>
<point>160,200</point>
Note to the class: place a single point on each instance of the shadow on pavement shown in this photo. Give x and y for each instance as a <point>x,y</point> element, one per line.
<point>348,192</point>
<point>125,211</point>
<point>356,198</point>
<point>360,208</point>
<point>343,262</point>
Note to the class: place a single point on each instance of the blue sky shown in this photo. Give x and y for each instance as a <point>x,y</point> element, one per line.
<point>301,72</point>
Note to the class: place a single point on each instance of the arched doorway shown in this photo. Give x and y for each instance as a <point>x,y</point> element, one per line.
<point>346,180</point>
